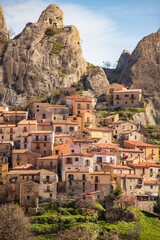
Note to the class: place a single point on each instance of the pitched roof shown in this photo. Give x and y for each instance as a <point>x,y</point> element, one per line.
<point>27,122</point>
<point>20,151</point>
<point>77,170</point>
<point>100,173</point>
<point>145,164</point>
<point>52,157</point>
<point>30,172</point>
<point>119,166</point>
<point>128,150</point>
<point>127,91</point>
<point>44,124</point>
<point>24,167</point>
<point>79,154</point>
<point>104,153</point>
<point>99,130</point>
<point>150,183</point>
<point>140,144</point>
<point>107,145</point>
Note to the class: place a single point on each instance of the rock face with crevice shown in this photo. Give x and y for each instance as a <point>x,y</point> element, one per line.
<point>44,57</point>
<point>3,27</point>
<point>142,70</point>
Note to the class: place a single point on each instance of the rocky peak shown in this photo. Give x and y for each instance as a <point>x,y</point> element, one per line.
<point>123,59</point>
<point>52,15</point>
<point>3,27</point>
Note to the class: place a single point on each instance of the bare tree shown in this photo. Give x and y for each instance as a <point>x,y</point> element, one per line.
<point>61,199</point>
<point>125,200</point>
<point>14,225</point>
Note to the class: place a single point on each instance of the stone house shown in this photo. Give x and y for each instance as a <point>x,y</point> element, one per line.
<point>100,181</point>
<point>64,126</point>
<point>151,152</point>
<point>62,138</point>
<point>45,190</point>
<point>23,156</point>
<point>110,90</point>
<point>44,126</point>
<point>127,155</point>
<point>38,141</point>
<point>8,132</point>
<point>151,188</point>
<point>127,98</point>
<point>49,163</point>
<point>105,135</point>
<point>76,161</point>
<point>100,159</point>
<point>77,181</point>
<point>6,149</point>
<point>120,127</point>
<point>118,169</point>
<point>110,119</point>
<point>132,136</point>
<point>82,104</point>
<point>13,117</point>
<point>52,112</point>
<point>132,183</point>
<point>149,170</point>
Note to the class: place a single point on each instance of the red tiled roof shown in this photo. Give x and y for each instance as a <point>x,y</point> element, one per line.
<point>65,122</point>
<point>53,157</point>
<point>44,124</point>
<point>140,144</point>
<point>145,164</point>
<point>150,183</point>
<point>19,151</point>
<point>128,150</point>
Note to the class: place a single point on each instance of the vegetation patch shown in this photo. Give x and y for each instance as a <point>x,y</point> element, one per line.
<point>50,32</point>
<point>57,47</point>
<point>62,74</point>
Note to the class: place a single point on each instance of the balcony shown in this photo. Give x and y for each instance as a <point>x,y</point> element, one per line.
<point>46,181</point>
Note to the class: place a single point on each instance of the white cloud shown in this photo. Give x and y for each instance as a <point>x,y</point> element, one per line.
<point>101,40</point>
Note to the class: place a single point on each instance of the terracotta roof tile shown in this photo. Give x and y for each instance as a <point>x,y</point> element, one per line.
<point>150,183</point>
<point>140,144</point>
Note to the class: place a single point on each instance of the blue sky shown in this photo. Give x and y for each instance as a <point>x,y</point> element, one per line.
<point>106,27</point>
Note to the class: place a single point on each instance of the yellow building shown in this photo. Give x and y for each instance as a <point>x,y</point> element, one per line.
<point>81,105</point>
<point>100,133</point>
<point>84,120</point>
<point>151,152</point>
<point>3,170</point>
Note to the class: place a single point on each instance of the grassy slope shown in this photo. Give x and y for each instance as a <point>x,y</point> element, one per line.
<point>147,226</point>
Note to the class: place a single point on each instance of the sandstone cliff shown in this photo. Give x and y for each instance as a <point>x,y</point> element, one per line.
<point>44,57</point>
<point>142,70</point>
<point>123,59</point>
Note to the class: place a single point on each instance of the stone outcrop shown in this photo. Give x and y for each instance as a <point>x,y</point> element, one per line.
<point>3,27</point>
<point>142,70</point>
<point>123,59</point>
<point>44,57</point>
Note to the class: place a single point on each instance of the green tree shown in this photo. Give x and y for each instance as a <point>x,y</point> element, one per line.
<point>157,206</point>
<point>14,225</point>
<point>117,191</point>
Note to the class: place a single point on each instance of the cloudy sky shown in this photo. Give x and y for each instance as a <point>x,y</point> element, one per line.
<point>106,27</point>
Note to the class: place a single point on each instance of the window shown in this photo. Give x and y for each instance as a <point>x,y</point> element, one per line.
<point>88,106</point>
<point>44,152</point>
<point>96,168</point>
<point>130,187</point>
<point>132,101</point>
<point>56,152</point>
<point>25,145</point>
<point>37,147</point>
<point>71,129</point>
<point>41,164</point>
<point>25,140</point>
<point>152,151</point>
<point>135,137</point>
<point>45,138</point>
<point>132,96</point>
<point>37,106</point>
<point>2,137</point>
<point>69,161</point>
<point>151,186</point>
<point>83,184</point>
<point>74,118</point>
<point>44,144</point>
<point>79,106</point>
<point>32,177</point>
<point>58,129</point>
<point>28,197</point>
<point>50,195</point>
<point>126,95</point>
<point>18,164</point>
<point>117,97</point>
<point>87,162</point>
<point>43,116</point>
<point>11,137</point>
<point>123,127</point>
<point>96,179</point>
<point>76,159</point>
<point>83,177</point>
<point>37,138</point>
<point>18,157</point>
<point>0,130</point>
<point>25,129</point>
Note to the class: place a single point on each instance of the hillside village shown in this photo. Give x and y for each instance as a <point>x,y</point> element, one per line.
<point>66,148</point>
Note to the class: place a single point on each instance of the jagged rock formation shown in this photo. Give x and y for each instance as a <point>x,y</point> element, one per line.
<point>142,70</point>
<point>123,59</point>
<point>3,27</point>
<point>45,56</point>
